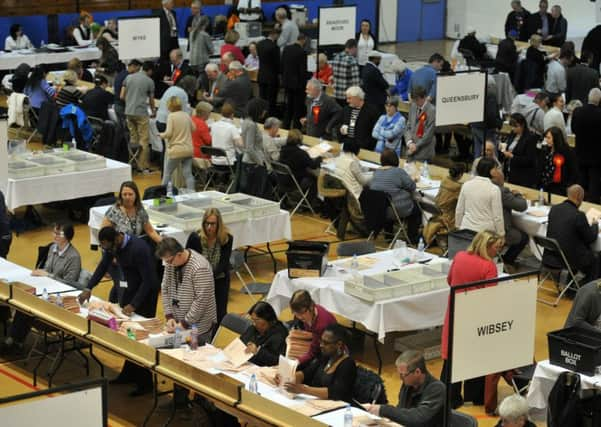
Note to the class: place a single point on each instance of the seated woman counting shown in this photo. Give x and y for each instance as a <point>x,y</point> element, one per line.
<point>398,184</point>
<point>266,337</point>
<point>214,242</point>
<point>332,374</point>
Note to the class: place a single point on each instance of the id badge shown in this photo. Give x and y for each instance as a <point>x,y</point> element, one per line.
<point>123,284</point>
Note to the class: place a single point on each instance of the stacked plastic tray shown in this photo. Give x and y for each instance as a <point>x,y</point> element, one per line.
<point>18,169</point>
<point>408,281</point>
<point>84,161</point>
<point>53,165</point>
<point>257,207</point>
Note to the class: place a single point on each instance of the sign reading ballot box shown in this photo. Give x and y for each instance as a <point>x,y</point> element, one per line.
<point>493,329</point>
<point>139,38</point>
<point>460,98</point>
<point>336,25</point>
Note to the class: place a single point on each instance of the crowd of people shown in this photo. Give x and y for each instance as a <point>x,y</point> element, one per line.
<point>362,112</point>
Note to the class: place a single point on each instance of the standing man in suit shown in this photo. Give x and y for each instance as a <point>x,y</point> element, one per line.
<point>569,226</point>
<point>269,69</point>
<point>539,22</point>
<point>419,135</point>
<point>586,125</point>
<point>558,28</point>
<point>178,68</point>
<point>236,90</point>
<point>321,111</point>
<point>581,78</point>
<point>294,78</point>
<point>168,29</point>
<point>373,82</point>
<point>358,120</point>
<point>195,8</point>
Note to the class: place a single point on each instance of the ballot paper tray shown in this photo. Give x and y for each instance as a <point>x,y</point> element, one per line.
<point>18,169</point>
<point>177,215</point>
<point>83,161</point>
<point>408,281</point>
<point>256,206</point>
<point>53,165</point>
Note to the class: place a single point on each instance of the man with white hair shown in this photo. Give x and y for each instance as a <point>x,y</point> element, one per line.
<point>226,59</point>
<point>289,29</point>
<point>358,120</point>
<point>513,412</point>
<point>177,68</point>
<point>586,125</point>
<point>213,82</point>
<point>558,28</point>
<point>168,29</point>
<point>321,111</point>
<point>403,76</point>
<point>236,90</point>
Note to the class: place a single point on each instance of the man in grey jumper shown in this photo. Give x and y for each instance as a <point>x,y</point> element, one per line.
<point>586,310</point>
<point>421,399</point>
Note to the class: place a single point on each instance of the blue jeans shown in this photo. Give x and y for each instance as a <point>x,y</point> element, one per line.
<point>170,166</point>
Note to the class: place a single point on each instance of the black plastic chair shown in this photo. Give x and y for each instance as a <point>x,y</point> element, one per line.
<point>223,173</point>
<point>288,185</point>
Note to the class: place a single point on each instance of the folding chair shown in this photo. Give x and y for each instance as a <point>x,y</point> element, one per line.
<point>361,247</point>
<point>218,171</point>
<point>550,270</point>
<point>34,118</point>
<point>288,184</point>
<point>237,261</point>
<point>330,193</point>
<point>523,376</point>
<point>374,205</point>
<point>231,327</point>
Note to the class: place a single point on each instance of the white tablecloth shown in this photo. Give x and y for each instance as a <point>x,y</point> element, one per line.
<point>544,378</point>
<point>250,232</point>
<point>399,314</point>
<point>11,60</point>
<point>67,186</point>
<point>12,272</point>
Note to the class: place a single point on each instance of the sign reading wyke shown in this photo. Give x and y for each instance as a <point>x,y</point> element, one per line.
<point>139,38</point>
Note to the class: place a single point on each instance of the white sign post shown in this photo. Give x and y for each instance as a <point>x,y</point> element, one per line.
<point>460,98</point>
<point>336,25</point>
<point>493,329</point>
<point>139,38</point>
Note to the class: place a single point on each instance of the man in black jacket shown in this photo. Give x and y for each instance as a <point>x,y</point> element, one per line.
<point>570,227</point>
<point>558,28</point>
<point>540,22</point>
<point>268,76</point>
<point>321,111</point>
<point>139,293</point>
<point>357,120</point>
<point>168,29</point>
<point>586,125</point>
<point>294,78</point>
<point>422,397</point>
<point>581,78</point>
<point>471,43</point>
<point>373,82</point>
<point>515,24</point>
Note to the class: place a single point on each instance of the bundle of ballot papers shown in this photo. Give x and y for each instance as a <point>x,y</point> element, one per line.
<point>298,343</point>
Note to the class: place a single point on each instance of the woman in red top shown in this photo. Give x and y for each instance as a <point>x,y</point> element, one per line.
<point>325,73</point>
<point>230,39</point>
<point>202,135</point>
<point>472,265</point>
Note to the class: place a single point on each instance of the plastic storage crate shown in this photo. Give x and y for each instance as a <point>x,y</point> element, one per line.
<point>83,161</point>
<point>18,169</point>
<point>397,284</point>
<point>176,215</point>
<point>53,165</point>
<point>257,207</point>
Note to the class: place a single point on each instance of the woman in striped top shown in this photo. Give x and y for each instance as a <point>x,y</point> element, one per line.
<point>68,94</point>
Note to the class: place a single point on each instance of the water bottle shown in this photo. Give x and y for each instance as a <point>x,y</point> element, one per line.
<point>73,144</point>
<point>169,189</point>
<point>421,247</point>
<point>130,334</point>
<point>194,338</point>
<point>45,294</point>
<point>253,387</point>
<point>355,267</point>
<point>177,338</point>
<point>425,170</point>
<point>541,197</point>
<point>59,300</point>
<point>42,43</point>
<point>348,417</point>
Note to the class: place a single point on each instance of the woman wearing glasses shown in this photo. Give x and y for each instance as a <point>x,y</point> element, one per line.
<point>214,242</point>
<point>266,337</point>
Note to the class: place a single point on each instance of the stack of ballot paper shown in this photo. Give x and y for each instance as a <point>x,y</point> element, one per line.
<point>286,372</point>
<point>298,343</point>
<point>236,354</point>
<point>593,215</point>
<point>319,150</point>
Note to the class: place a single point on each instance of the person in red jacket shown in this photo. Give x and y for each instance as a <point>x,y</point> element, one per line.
<point>202,135</point>
<point>315,318</point>
<point>473,265</point>
<point>230,39</point>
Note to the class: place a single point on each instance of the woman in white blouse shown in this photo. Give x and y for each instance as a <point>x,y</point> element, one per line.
<point>366,42</point>
<point>17,40</point>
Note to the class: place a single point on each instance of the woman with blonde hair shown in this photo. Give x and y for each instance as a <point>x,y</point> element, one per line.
<point>214,242</point>
<point>69,93</point>
<point>178,135</point>
<point>474,264</point>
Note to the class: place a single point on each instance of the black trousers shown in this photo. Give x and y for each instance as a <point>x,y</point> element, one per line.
<point>295,108</point>
<point>222,293</point>
<point>473,390</point>
<point>269,92</point>
<point>590,179</point>
<point>514,250</point>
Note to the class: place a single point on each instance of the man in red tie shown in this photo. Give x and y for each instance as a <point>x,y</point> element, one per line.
<point>420,127</point>
<point>178,68</point>
<point>321,110</point>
